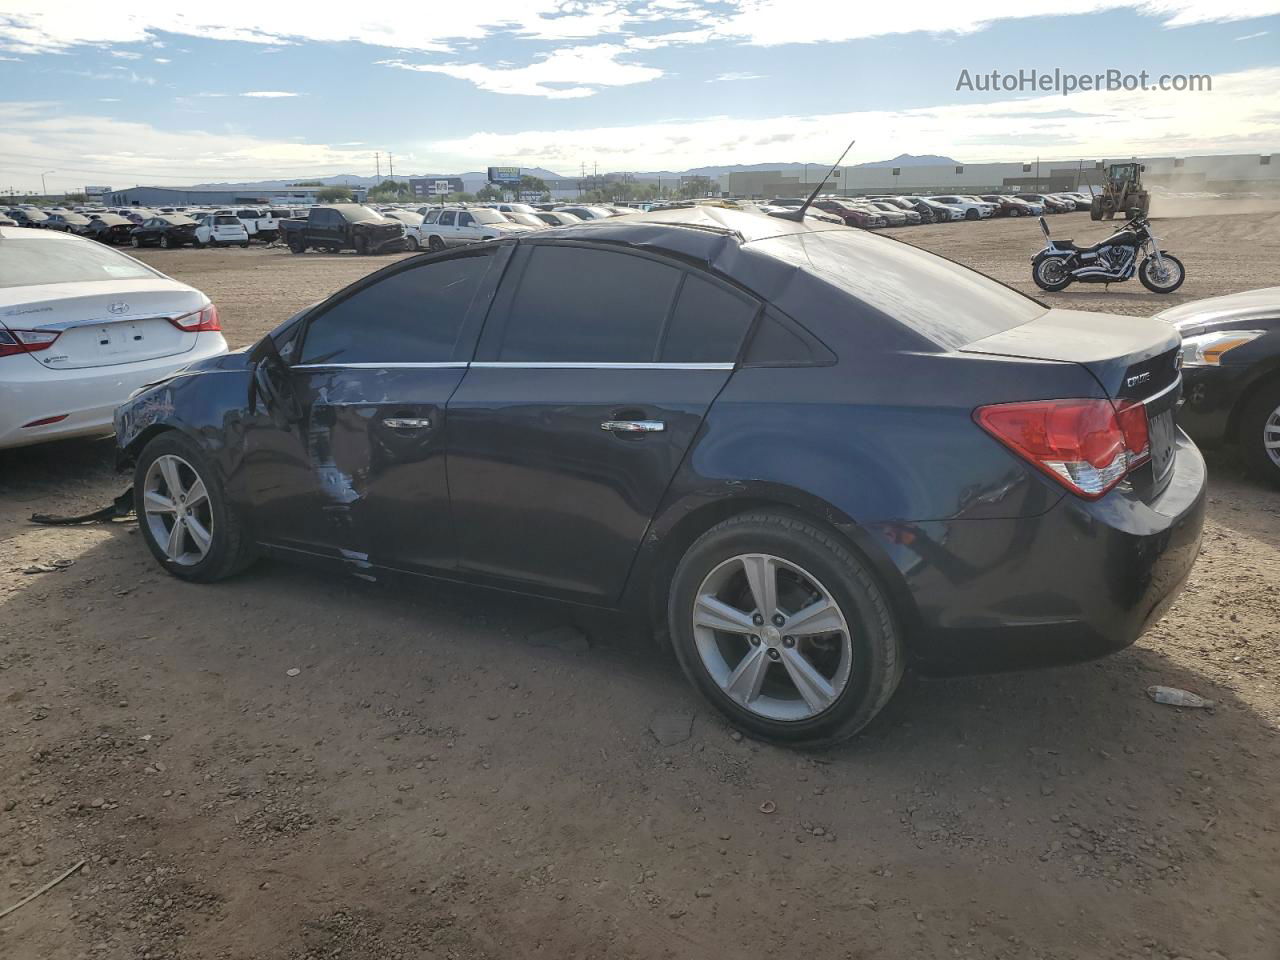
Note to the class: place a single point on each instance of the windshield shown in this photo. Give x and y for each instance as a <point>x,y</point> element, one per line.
<point>356,214</point>
<point>942,301</point>
<point>34,262</point>
<point>484,215</point>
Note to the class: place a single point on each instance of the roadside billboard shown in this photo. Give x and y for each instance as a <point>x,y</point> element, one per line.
<point>504,174</point>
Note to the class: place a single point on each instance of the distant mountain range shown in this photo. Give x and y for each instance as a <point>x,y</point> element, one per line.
<point>475,179</point>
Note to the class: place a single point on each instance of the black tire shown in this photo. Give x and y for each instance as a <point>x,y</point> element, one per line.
<point>244,244</point>
<point>1015,212</point>
<point>362,246</point>
<point>411,243</point>
<point>1147,265</point>
<point>435,244</point>
<point>165,242</point>
<point>1046,278</point>
<point>877,651</point>
<point>296,246</point>
<point>1095,208</point>
<point>231,549</point>
<point>135,242</point>
<point>971,214</point>
<point>198,243</point>
<point>1260,415</point>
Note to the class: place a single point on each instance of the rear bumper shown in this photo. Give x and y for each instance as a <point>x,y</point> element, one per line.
<point>1077,582</point>
<point>85,398</point>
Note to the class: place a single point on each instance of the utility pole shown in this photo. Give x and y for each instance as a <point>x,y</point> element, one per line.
<point>377,160</point>
<point>391,167</point>
<point>44,192</point>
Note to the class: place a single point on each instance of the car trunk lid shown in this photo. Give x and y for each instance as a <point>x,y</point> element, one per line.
<point>102,323</point>
<point>1135,359</point>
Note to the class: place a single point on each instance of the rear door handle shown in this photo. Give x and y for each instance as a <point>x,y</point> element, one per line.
<point>633,426</point>
<point>407,423</point>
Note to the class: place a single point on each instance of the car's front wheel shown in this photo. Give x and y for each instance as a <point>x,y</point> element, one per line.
<point>784,629</point>
<point>1260,432</point>
<point>189,525</point>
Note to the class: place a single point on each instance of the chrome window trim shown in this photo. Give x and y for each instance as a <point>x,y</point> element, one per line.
<point>445,365</point>
<point>564,365</point>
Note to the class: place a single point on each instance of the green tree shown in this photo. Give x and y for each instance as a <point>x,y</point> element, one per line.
<point>334,195</point>
<point>488,192</point>
<point>530,184</point>
<point>308,183</point>
<point>75,197</point>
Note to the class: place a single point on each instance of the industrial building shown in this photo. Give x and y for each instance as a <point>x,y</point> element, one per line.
<point>188,197</point>
<point>1241,173</point>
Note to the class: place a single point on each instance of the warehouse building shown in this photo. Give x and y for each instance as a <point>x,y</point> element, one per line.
<point>1241,173</point>
<point>190,197</point>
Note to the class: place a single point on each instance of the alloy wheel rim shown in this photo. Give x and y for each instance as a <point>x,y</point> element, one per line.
<point>1166,274</point>
<point>772,637</point>
<point>178,512</point>
<point>1271,436</point>
<point>1053,271</point>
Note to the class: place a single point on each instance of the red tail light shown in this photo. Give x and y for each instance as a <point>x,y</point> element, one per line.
<point>26,341</point>
<point>1086,445</point>
<point>198,322</point>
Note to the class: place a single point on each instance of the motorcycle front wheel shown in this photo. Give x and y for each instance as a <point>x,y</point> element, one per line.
<point>1050,273</point>
<point>1163,277</point>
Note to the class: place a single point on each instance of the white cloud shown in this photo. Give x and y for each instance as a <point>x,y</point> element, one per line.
<point>1239,116</point>
<point>12,59</point>
<point>1254,36</point>
<point>126,55</point>
<point>44,26</point>
<point>162,60</point>
<point>587,68</point>
<point>734,77</point>
<point>127,151</point>
<point>270,94</point>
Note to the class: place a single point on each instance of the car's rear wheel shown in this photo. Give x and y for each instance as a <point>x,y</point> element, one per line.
<point>1015,212</point>
<point>1260,432</point>
<point>186,519</point>
<point>1051,273</point>
<point>412,244</point>
<point>244,244</point>
<point>134,241</point>
<point>362,246</point>
<point>784,629</point>
<point>165,242</point>
<point>435,244</point>
<point>296,246</point>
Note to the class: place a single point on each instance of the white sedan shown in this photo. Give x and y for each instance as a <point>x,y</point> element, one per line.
<point>81,327</point>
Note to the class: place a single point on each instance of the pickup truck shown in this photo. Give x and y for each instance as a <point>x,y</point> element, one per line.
<point>343,226</point>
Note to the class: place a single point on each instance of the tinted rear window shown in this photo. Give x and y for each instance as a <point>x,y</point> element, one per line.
<point>940,300</point>
<point>226,221</point>
<point>588,306</point>
<point>34,262</point>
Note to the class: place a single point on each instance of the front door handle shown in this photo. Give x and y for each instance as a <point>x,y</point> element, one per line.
<point>633,426</point>
<point>407,423</point>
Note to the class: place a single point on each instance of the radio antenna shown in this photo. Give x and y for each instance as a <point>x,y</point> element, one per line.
<point>798,214</point>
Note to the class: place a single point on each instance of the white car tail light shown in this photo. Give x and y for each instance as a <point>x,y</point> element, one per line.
<point>199,321</point>
<point>26,341</point>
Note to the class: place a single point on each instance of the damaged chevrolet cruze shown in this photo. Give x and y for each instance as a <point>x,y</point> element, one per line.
<point>808,456</point>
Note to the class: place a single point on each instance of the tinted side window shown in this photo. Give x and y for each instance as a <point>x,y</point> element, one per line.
<point>412,316</point>
<point>588,306</point>
<point>465,219</point>
<point>446,218</point>
<point>431,217</point>
<point>708,324</point>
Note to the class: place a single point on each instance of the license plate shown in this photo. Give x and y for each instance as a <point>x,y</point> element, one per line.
<point>1161,434</point>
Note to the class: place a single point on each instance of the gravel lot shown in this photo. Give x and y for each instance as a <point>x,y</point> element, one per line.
<point>431,784</point>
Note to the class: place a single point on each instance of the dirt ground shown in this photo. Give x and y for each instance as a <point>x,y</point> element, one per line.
<point>431,784</point>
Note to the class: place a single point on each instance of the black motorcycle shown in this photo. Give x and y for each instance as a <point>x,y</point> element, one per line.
<point>1112,260</point>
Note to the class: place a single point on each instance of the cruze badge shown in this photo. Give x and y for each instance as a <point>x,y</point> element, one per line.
<point>1137,379</point>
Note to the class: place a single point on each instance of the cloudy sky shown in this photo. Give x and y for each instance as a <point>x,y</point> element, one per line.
<point>153,92</point>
